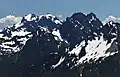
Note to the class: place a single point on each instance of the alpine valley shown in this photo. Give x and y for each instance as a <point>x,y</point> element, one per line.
<point>45,46</point>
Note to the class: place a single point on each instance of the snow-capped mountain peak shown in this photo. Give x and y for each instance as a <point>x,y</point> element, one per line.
<point>25,30</point>
<point>51,17</point>
<point>30,17</point>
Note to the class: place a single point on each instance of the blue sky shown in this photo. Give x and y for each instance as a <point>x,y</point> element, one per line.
<point>102,8</point>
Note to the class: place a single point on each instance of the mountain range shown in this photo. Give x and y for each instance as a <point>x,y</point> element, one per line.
<point>45,46</point>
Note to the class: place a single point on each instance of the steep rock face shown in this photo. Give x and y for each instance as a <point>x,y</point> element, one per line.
<point>44,46</point>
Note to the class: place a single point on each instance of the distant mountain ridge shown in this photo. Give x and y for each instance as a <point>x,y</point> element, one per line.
<point>9,20</point>
<point>44,46</point>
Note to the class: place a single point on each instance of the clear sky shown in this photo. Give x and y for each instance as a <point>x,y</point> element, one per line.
<point>102,8</point>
